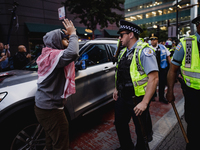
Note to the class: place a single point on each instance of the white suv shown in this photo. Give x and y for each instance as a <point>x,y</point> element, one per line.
<point>94,87</point>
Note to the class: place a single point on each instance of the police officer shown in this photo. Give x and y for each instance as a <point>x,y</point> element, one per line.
<point>163,57</point>
<point>136,75</point>
<point>187,57</point>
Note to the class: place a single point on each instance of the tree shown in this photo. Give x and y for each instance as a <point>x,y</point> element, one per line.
<point>94,12</point>
<point>145,32</point>
<point>163,34</point>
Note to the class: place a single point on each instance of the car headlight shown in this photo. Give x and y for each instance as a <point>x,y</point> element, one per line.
<point>3,95</point>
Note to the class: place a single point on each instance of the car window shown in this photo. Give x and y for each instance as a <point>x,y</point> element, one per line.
<point>113,48</point>
<point>32,65</point>
<point>95,54</point>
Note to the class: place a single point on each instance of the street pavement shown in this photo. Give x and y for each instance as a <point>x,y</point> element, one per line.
<point>96,131</point>
<point>174,140</point>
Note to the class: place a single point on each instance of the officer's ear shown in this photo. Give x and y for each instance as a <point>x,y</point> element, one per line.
<point>131,35</point>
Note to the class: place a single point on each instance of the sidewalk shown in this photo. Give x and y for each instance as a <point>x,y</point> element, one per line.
<point>97,131</point>
<point>174,140</point>
<point>167,133</point>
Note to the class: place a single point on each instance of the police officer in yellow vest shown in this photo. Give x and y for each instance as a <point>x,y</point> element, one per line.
<point>136,75</point>
<point>187,57</point>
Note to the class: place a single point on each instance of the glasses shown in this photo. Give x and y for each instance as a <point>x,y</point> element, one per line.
<point>153,39</point>
<point>122,34</point>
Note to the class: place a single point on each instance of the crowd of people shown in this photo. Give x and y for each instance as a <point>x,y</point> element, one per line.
<point>19,60</point>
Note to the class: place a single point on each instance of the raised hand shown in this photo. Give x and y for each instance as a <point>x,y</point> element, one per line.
<point>69,26</point>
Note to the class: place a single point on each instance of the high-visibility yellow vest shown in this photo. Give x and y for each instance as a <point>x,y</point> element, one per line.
<point>191,62</point>
<point>172,52</point>
<point>138,76</point>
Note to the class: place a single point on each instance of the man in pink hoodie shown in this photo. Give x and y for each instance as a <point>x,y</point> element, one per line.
<point>56,81</point>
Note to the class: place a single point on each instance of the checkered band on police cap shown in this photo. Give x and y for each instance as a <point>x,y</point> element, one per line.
<point>130,28</point>
<point>125,25</point>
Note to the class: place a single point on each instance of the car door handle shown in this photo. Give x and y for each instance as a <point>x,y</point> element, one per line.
<point>106,69</point>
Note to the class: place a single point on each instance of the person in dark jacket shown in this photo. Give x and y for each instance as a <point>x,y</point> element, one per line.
<point>21,58</point>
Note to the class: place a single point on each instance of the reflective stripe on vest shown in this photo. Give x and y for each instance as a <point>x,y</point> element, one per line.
<point>140,82</point>
<point>139,67</point>
<point>191,74</point>
<point>188,53</point>
<point>190,67</point>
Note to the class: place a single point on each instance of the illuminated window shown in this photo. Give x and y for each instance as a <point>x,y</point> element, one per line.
<point>160,12</point>
<point>133,18</point>
<point>163,28</point>
<point>139,17</point>
<point>165,11</point>
<point>127,19</point>
<point>154,13</point>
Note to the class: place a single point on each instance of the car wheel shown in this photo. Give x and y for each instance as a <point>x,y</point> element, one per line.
<point>21,130</point>
<point>32,137</point>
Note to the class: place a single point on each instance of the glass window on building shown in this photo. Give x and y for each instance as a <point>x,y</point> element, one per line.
<point>159,12</point>
<point>142,6</point>
<point>139,17</point>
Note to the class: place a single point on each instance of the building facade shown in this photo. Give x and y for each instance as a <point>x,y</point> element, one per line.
<point>33,18</point>
<point>159,12</point>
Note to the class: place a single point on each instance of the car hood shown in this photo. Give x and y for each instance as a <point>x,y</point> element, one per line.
<point>14,77</point>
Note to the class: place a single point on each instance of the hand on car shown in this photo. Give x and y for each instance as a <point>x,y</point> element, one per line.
<point>69,26</point>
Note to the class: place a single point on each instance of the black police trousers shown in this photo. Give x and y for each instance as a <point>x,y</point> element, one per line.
<point>192,116</point>
<point>123,113</point>
<point>162,82</point>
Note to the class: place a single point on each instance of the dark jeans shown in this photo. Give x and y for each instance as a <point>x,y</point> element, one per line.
<point>192,113</point>
<point>55,125</point>
<point>123,113</point>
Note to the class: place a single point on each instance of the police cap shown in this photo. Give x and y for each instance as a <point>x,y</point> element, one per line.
<point>153,36</point>
<point>196,20</point>
<point>125,25</point>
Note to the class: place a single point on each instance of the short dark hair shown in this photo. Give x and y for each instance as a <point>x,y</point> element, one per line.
<point>136,36</point>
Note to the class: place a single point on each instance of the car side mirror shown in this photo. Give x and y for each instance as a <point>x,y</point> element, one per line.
<point>81,65</point>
